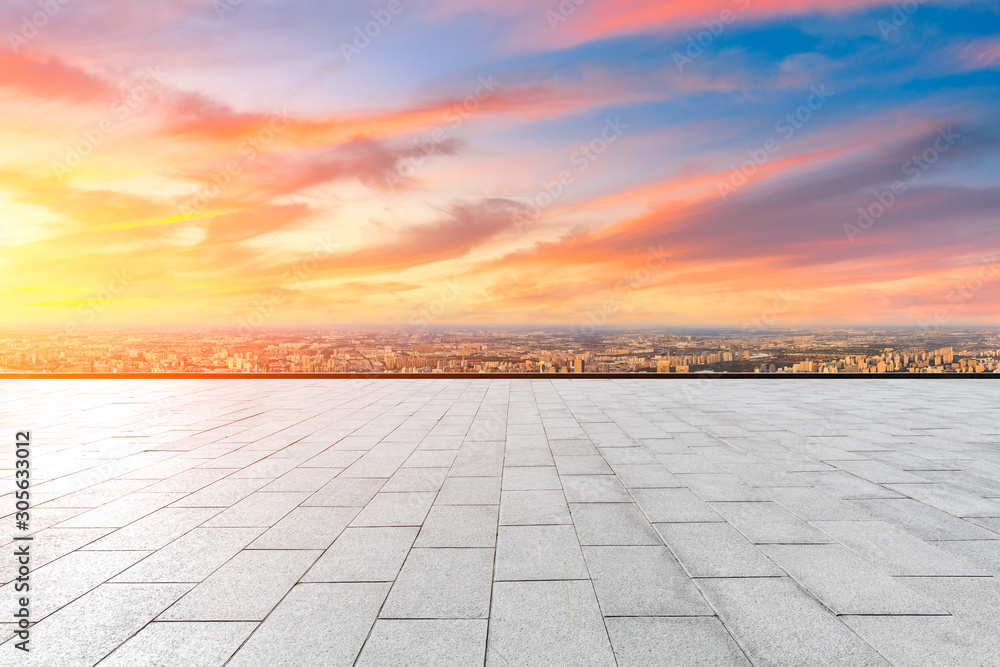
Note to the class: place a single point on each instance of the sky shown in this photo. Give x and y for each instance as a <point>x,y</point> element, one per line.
<point>257,163</point>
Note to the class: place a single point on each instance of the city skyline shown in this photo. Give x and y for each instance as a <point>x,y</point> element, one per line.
<point>433,163</point>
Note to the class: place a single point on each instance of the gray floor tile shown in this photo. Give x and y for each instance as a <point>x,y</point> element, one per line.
<point>642,581</point>
<point>942,641</point>
<point>189,644</point>
<point>395,509</point>
<point>257,509</point>
<point>612,524</point>
<point>316,624</point>
<point>582,465</point>
<point>364,554</point>
<point>896,551</point>
<point>121,512</point>
<point>460,526</point>
<point>155,530</point>
<point>674,505</point>
<point>530,479</point>
<point>306,528</point>
<point>777,623</point>
<point>69,577</point>
<point>174,563</point>
<point>845,582</point>
<point>113,613</point>
<point>346,492</point>
<point>547,623</point>
<point>529,508</point>
<point>716,550</point>
<point>469,491</point>
<point>673,642</point>
<point>442,583</point>
<point>539,553</point>
<point>770,523</point>
<point>246,588</point>
<point>595,489</point>
<point>406,643</point>
<point>653,476</point>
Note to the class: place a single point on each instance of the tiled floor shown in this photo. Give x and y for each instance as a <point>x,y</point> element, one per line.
<point>509,522</point>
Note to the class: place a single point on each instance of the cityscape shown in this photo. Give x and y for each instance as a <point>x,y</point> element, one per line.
<point>484,351</point>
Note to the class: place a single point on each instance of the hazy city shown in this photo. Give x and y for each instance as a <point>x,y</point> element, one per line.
<point>503,351</point>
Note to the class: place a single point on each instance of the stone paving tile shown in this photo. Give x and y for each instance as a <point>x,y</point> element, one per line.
<point>69,577</point>
<point>395,509</point>
<point>156,530</point>
<point>582,465</point>
<point>649,476</point>
<point>547,623</point>
<point>416,479</point>
<point>191,558</point>
<point>924,521</point>
<point>942,641</point>
<point>306,528</point>
<point>537,478</point>
<point>257,509</point>
<point>84,632</point>
<point>224,493</point>
<point>308,480</point>
<point>121,512</point>
<point>673,642</point>
<point>896,551</point>
<point>245,589</point>
<point>442,583</point>
<point>539,553</point>
<point>716,550</point>
<point>460,526</point>
<point>469,491</point>
<point>769,523</point>
<point>950,500</point>
<point>222,528</point>
<point>674,505</point>
<point>594,489</point>
<point>316,624</point>
<point>612,524</point>
<point>444,643</point>
<point>845,582</point>
<point>191,644</point>
<point>777,623</point>
<point>642,581</point>
<point>364,554</point>
<point>531,508</point>
<point>813,504</point>
<point>723,487</point>
<point>983,554</point>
